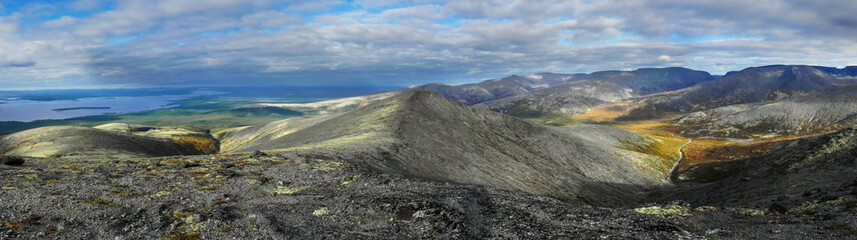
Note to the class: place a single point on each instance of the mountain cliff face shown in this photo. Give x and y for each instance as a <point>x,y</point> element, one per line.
<point>424,135</point>
<point>598,89</point>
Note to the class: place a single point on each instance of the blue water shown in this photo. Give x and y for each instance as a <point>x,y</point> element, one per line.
<point>27,106</point>
<point>16,109</point>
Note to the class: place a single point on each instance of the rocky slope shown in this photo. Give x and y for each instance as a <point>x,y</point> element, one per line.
<point>640,81</point>
<point>422,134</point>
<point>814,112</point>
<point>500,88</point>
<point>570,98</point>
<point>755,84</point>
<point>241,196</point>
<point>598,89</point>
<point>116,140</point>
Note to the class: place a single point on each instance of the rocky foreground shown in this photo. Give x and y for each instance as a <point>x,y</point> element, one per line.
<point>276,196</point>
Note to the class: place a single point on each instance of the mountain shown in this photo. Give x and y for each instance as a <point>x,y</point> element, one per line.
<point>760,102</point>
<point>599,89</point>
<point>109,140</point>
<point>593,89</point>
<point>325,107</point>
<point>755,84</point>
<point>421,134</point>
<point>500,88</point>
<point>643,81</point>
<point>569,98</point>
<point>822,111</point>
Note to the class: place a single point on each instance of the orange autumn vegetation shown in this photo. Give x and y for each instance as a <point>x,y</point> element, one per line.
<point>201,144</point>
<point>606,113</point>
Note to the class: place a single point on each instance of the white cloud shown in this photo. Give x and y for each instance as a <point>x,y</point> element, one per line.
<point>390,42</point>
<point>61,22</point>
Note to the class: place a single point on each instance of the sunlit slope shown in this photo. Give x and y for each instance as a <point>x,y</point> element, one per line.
<point>424,135</point>
<point>818,112</point>
<point>250,136</point>
<point>72,141</point>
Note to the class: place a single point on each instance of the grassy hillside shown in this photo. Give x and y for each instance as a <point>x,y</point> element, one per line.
<point>69,141</point>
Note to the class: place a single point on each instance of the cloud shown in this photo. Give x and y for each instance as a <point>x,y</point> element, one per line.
<point>192,42</point>
<point>17,64</point>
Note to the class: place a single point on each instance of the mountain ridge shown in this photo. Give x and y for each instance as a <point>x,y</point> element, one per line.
<point>424,135</point>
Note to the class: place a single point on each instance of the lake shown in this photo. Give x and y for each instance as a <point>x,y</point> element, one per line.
<point>22,110</point>
<point>28,106</point>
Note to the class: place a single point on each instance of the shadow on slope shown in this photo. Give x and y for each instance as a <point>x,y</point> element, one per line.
<point>821,167</point>
<point>424,135</point>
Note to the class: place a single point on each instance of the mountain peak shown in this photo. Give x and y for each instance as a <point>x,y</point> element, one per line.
<point>424,135</point>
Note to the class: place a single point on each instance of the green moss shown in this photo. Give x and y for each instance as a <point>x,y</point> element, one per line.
<point>752,212</point>
<point>326,166</point>
<point>160,194</point>
<point>671,210</point>
<point>843,141</point>
<point>321,212</point>
<point>350,180</point>
<point>705,209</point>
<point>190,227</point>
<point>811,207</point>
<point>289,190</point>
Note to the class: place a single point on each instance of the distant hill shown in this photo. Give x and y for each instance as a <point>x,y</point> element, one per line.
<point>755,84</point>
<point>641,81</point>
<point>821,111</point>
<point>599,88</point>
<point>501,87</point>
<point>422,134</point>
<point>109,140</point>
<point>761,101</point>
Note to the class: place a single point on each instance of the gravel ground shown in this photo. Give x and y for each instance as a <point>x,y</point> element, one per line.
<point>260,196</point>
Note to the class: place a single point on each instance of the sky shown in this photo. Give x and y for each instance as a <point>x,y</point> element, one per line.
<point>173,43</point>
